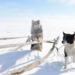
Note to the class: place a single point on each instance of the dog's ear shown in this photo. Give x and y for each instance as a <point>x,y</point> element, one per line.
<point>63,33</point>
<point>38,22</point>
<point>32,21</point>
<point>74,36</point>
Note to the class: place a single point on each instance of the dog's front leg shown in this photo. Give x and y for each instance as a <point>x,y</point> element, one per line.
<point>66,60</point>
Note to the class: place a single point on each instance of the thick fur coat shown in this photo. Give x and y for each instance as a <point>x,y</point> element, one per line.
<point>36,35</point>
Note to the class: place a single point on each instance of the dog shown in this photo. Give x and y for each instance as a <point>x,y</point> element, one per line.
<point>69,47</point>
<point>36,35</point>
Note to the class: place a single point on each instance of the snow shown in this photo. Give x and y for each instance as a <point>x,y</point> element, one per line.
<point>53,65</point>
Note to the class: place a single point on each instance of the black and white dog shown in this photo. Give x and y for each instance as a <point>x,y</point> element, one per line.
<point>69,47</point>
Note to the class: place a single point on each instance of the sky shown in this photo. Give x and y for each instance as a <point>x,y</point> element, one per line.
<point>49,12</point>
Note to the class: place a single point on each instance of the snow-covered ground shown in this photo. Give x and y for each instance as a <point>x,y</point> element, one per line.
<point>13,59</point>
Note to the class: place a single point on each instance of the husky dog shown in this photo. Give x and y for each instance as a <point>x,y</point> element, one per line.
<point>36,35</point>
<point>69,47</point>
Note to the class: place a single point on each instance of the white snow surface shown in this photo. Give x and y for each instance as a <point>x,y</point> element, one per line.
<point>53,65</point>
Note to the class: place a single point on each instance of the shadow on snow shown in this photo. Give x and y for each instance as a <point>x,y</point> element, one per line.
<point>54,68</point>
<point>8,60</point>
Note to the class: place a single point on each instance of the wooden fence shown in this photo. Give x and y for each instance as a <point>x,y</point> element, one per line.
<point>20,45</point>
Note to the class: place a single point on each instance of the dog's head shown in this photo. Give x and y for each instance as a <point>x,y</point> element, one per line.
<point>36,24</point>
<point>68,38</point>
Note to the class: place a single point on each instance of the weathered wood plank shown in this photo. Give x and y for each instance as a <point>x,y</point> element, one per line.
<point>7,38</point>
<point>21,44</point>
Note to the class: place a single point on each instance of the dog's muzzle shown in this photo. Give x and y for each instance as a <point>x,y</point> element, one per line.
<point>63,41</point>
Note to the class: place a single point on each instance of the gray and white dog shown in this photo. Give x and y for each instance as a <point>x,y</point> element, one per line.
<point>36,35</point>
